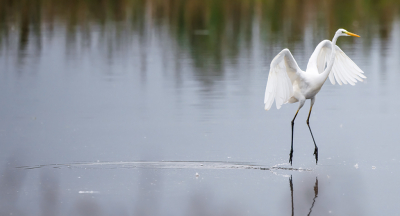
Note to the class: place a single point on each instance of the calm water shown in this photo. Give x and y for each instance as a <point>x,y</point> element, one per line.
<point>156,108</point>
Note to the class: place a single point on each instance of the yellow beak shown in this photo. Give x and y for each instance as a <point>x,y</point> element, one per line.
<point>352,34</point>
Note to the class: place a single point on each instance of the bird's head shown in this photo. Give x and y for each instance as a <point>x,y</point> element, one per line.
<point>344,32</point>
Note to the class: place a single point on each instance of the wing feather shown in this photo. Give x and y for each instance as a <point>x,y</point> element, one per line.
<point>283,72</point>
<point>344,70</point>
<point>345,66</point>
<point>339,71</point>
<point>336,75</point>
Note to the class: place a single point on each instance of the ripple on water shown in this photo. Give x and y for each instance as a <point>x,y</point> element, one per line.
<point>166,165</point>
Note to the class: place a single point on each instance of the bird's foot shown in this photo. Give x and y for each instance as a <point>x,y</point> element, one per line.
<point>290,157</point>
<point>316,155</point>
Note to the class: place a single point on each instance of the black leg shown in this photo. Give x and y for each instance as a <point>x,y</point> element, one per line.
<point>291,147</point>
<point>316,148</point>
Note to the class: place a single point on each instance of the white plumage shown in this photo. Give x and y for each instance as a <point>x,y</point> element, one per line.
<point>287,83</point>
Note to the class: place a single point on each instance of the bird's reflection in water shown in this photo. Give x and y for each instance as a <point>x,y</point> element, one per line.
<point>315,194</point>
<point>291,191</point>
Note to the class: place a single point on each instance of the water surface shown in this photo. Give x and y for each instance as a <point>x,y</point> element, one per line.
<point>149,107</point>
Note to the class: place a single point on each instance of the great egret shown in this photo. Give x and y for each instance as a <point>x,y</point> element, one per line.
<point>287,83</point>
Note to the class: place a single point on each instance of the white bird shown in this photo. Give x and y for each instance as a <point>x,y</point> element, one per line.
<point>287,83</point>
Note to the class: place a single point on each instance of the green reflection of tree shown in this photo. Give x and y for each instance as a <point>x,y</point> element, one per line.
<point>211,31</point>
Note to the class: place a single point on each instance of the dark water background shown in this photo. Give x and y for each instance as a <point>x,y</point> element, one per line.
<point>113,107</point>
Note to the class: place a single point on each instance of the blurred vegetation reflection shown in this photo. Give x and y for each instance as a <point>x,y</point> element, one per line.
<point>209,31</point>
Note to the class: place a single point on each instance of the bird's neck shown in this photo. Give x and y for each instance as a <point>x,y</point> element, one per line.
<point>328,68</point>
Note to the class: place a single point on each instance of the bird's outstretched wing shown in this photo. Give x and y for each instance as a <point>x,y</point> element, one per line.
<point>283,72</point>
<point>344,70</point>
